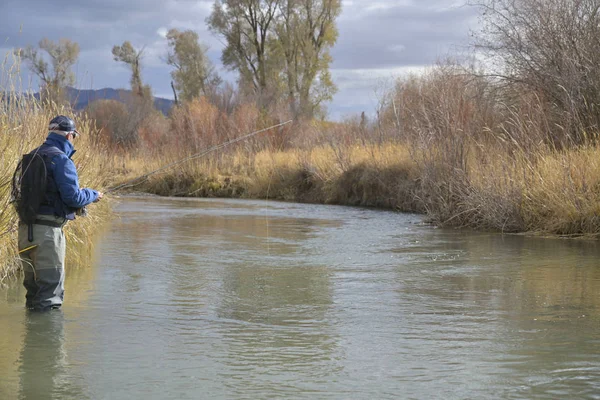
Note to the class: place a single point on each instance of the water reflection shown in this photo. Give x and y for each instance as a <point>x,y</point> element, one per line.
<point>529,306</point>
<point>11,338</point>
<point>232,299</point>
<point>43,365</point>
<point>22,337</point>
<point>270,311</point>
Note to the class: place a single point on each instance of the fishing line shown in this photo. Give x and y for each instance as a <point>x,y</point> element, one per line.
<point>267,207</point>
<point>142,178</point>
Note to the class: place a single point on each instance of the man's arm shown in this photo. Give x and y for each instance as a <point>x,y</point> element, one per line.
<point>67,181</point>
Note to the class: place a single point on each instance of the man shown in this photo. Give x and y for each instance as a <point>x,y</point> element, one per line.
<point>42,245</point>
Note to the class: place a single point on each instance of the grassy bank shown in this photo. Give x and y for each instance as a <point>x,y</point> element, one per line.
<point>374,176</point>
<point>459,149</point>
<point>489,187</point>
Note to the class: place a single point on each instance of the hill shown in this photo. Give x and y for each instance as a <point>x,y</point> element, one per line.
<point>80,98</point>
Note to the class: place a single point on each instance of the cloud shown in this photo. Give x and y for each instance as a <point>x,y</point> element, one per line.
<point>93,23</point>
<point>396,48</point>
<point>378,39</point>
<point>371,37</point>
<point>385,39</point>
<point>162,32</point>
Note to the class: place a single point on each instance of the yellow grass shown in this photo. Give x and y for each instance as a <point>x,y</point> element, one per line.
<point>371,175</point>
<point>564,194</point>
<point>548,191</point>
<point>453,151</point>
<point>23,126</point>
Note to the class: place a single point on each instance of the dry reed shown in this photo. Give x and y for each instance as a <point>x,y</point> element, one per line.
<point>23,126</point>
<point>448,144</point>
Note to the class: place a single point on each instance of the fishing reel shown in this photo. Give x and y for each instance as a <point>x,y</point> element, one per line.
<point>82,212</point>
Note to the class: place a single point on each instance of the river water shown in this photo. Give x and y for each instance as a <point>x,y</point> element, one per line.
<point>232,299</point>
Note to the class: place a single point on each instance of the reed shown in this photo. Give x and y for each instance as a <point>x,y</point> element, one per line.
<point>23,126</point>
<point>448,144</point>
<point>491,161</point>
<point>373,175</point>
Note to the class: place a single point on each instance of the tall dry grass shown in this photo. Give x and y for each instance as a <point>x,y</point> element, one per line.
<point>310,162</point>
<point>448,143</point>
<point>23,126</point>
<point>490,161</point>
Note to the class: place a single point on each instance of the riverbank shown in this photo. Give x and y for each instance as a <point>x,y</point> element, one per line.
<point>456,171</point>
<point>371,176</point>
<point>489,187</point>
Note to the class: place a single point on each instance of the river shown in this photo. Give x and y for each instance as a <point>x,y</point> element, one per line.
<point>235,299</point>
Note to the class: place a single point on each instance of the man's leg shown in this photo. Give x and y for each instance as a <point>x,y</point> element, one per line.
<point>29,278</point>
<point>27,251</point>
<point>46,290</point>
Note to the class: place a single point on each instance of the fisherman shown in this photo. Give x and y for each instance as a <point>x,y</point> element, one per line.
<point>42,245</point>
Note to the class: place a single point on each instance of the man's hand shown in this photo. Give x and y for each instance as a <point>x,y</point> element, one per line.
<point>100,196</point>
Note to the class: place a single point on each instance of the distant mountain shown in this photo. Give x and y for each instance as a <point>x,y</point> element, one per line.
<point>79,98</point>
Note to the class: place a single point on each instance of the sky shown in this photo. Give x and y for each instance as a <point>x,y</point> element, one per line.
<point>379,40</point>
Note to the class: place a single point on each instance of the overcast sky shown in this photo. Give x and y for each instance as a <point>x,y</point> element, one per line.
<point>378,39</point>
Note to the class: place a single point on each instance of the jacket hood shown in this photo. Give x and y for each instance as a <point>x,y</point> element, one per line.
<point>61,142</point>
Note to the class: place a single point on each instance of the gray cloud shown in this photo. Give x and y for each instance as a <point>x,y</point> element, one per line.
<point>94,23</point>
<point>399,33</point>
<point>379,39</point>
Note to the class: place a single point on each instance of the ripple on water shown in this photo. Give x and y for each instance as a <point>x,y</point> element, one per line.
<point>248,299</point>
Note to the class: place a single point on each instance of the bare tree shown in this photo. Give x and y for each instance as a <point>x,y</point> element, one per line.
<point>140,103</point>
<point>56,75</point>
<point>226,98</point>
<point>127,54</point>
<point>551,48</point>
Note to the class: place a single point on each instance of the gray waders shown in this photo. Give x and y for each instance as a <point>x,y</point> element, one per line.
<point>44,262</point>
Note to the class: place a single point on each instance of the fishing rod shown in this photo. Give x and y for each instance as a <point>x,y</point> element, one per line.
<point>140,179</point>
<point>134,182</point>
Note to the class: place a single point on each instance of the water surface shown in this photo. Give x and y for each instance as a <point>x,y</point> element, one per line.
<point>236,299</point>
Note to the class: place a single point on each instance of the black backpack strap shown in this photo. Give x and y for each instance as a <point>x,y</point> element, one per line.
<point>50,151</point>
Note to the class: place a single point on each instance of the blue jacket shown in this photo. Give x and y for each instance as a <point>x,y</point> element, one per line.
<point>63,195</point>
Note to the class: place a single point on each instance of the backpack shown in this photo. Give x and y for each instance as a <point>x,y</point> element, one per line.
<point>29,184</point>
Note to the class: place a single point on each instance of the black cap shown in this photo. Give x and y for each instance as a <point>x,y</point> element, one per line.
<point>62,123</point>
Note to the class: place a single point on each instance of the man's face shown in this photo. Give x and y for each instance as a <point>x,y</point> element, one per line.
<point>72,135</point>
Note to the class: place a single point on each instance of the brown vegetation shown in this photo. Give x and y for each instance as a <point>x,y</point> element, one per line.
<point>512,150</point>
<point>445,144</point>
<point>23,126</point>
